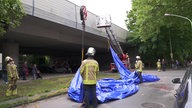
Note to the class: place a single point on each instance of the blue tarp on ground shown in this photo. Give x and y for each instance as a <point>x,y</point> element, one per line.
<point>108,88</point>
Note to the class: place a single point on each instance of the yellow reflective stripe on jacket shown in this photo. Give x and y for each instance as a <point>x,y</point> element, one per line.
<point>12,71</point>
<point>139,66</point>
<point>15,72</point>
<point>158,64</point>
<point>89,69</point>
<point>90,73</point>
<point>9,71</point>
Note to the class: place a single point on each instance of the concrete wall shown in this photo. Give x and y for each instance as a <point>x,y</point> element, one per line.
<point>11,49</point>
<point>67,13</point>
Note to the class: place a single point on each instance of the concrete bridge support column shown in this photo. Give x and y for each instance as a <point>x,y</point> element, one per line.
<point>11,49</point>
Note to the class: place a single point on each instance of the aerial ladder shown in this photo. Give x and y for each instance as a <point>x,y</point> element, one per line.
<point>113,41</point>
<point>105,22</point>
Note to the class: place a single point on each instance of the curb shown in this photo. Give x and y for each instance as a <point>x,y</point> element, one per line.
<point>26,100</point>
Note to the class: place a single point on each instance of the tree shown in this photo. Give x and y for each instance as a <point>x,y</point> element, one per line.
<point>11,12</point>
<point>154,34</point>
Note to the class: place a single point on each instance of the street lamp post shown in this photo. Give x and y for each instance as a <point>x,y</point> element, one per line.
<point>174,15</point>
<point>166,14</point>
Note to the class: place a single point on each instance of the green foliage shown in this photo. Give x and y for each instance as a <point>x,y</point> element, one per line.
<point>41,86</point>
<point>11,12</point>
<point>153,32</point>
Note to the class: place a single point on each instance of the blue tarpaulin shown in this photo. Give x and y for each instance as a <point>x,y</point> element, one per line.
<point>108,88</point>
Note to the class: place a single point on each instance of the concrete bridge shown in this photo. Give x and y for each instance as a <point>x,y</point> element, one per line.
<point>53,27</point>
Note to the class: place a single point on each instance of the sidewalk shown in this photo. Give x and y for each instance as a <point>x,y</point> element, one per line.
<point>29,99</point>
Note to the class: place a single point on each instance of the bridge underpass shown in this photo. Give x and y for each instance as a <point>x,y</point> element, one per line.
<point>41,37</point>
<point>35,32</point>
<point>45,32</point>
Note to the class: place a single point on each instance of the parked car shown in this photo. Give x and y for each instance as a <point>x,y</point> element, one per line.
<point>184,92</point>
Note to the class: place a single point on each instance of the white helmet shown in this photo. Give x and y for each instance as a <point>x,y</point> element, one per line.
<point>138,57</point>
<point>7,58</point>
<point>91,51</point>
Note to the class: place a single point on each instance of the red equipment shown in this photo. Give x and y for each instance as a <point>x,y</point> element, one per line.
<point>105,22</point>
<point>124,58</point>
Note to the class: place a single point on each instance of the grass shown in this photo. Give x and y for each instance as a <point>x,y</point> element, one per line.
<point>40,86</point>
<point>31,88</point>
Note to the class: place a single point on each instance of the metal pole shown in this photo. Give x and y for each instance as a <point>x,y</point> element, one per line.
<point>83,32</point>
<point>179,17</point>
<point>174,15</point>
<point>33,7</point>
<point>171,53</point>
<point>83,16</point>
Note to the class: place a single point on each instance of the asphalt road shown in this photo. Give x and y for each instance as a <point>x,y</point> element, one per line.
<point>158,94</point>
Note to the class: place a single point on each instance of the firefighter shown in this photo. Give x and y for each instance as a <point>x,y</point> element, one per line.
<point>139,68</point>
<point>159,65</point>
<point>12,75</point>
<point>89,69</point>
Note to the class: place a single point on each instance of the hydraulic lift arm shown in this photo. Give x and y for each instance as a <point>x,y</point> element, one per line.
<point>113,41</point>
